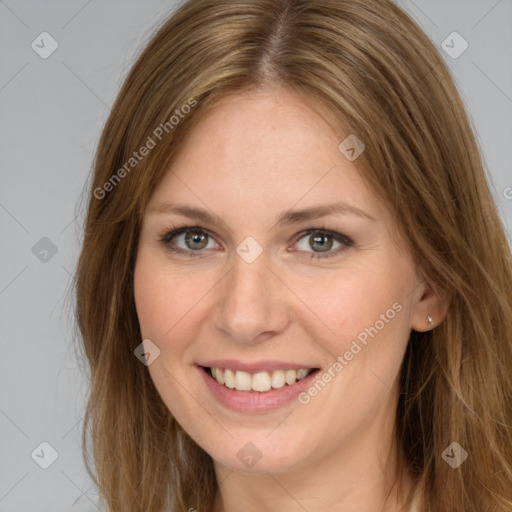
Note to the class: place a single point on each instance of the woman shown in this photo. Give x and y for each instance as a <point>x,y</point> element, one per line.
<point>294,287</point>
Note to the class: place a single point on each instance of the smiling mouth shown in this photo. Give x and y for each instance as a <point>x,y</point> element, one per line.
<point>260,382</point>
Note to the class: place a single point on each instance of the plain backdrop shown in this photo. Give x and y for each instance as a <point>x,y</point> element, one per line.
<point>52,110</point>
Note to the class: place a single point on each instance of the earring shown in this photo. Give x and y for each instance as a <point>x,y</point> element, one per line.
<point>430,320</point>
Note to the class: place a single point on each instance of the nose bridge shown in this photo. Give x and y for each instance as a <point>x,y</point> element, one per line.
<point>247,281</point>
<point>250,303</point>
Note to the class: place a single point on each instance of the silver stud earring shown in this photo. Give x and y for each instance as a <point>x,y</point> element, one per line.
<point>430,320</point>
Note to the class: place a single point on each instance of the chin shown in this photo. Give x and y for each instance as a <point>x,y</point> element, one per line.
<point>251,457</point>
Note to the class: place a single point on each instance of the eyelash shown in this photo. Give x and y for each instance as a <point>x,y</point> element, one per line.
<point>166,238</point>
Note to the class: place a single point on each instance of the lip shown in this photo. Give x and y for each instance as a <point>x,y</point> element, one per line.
<point>254,401</point>
<point>260,366</point>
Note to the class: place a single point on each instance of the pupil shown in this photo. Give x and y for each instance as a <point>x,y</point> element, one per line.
<point>323,247</point>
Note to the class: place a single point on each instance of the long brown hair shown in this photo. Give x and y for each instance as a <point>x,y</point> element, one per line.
<point>379,75</point>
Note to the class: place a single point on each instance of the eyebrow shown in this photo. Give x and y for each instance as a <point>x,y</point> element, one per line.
<point>285,218</point>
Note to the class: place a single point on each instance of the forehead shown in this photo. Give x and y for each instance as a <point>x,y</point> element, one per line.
<point>271,149</point>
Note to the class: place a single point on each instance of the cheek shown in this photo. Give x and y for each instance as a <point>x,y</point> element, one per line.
<point>157,299</point>
<point>150,302</point>
<point>164,305</point>
<point>159,296</point>
<point>363,318</point>
<point>346,304</point>
<point>170,305</point>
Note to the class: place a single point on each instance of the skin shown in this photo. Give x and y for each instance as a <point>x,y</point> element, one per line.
<point>250,158</point>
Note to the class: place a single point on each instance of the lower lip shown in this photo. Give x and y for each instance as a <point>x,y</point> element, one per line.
<point>254,401</point>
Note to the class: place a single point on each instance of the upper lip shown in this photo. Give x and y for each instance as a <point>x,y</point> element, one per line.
<point>255,367</point>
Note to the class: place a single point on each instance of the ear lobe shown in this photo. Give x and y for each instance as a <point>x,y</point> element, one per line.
<point>430,310</point>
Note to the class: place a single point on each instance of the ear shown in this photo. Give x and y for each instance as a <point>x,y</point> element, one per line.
<point>428,301</point>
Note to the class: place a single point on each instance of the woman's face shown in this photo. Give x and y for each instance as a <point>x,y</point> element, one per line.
<point>253,291</point>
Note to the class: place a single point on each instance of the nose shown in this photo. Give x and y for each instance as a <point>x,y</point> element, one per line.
<point>251,303</point>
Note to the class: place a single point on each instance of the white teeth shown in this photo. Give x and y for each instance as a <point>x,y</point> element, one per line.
<point>219,375</point>
<point>243,381</point>
<point>290,377</point>
<point>278,379</point>
<point>229,378</point>
<point>302,373</point>
<point>261,381</point>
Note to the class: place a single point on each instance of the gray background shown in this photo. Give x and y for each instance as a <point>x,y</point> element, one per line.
<point>52,112</point>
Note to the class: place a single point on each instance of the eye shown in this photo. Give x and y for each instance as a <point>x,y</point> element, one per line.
<point>193,238</point>
<point>322,241</point>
